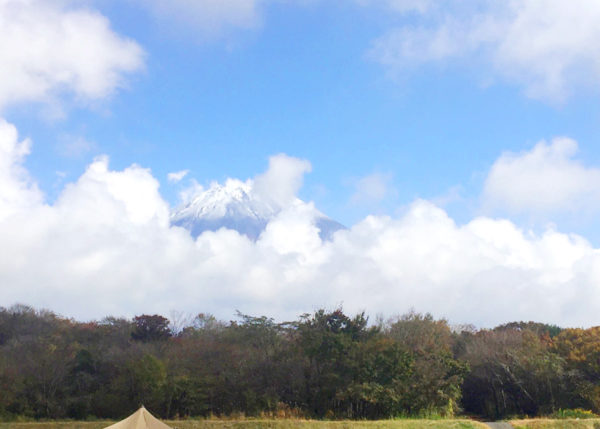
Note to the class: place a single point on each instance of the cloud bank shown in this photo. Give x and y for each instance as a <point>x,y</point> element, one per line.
<point>105,247</point>
<point>550,48</point>
<point>48,49</point>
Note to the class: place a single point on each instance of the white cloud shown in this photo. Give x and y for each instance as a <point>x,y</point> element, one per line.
<point>74,146</point>
<point>545,180</point>
<point>188,193</point>
<point>551,48</point>
<point>177,176</point>
<point>49,49</point>
<point>453,195</point>
<point>105,197</point>
<point>372,188</point>
<point>404,6</point>
<point>282,181</point>
<point>17,191</point>
<point>293,231</point>
<point>105,247</point>
<point>208,18</point>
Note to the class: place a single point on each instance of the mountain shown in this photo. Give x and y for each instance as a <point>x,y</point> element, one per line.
<point>235,206</point>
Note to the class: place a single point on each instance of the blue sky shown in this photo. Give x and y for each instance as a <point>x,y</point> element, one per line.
<point>391,101</point>
<point>303,82</point>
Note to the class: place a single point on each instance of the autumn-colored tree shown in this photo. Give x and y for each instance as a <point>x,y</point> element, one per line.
<point>150,328</point>
<point>325,364</point>
<point>580,348</point>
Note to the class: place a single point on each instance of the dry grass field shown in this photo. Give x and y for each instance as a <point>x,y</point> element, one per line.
<point>556,424</point>
<point>267,424</point>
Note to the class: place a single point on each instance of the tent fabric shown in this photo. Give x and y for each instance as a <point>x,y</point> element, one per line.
<point>141,419</point>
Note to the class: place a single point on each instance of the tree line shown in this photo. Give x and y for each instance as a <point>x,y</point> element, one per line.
<point>326,364</point>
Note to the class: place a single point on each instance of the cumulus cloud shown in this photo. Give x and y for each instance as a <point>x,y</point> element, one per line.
<point>48,49</point>
<point>177,176</point>
<point>283,179</point>
<point>545,180</point>
<point>105,247</point>
<point>17,191</point>
<point>105,196</point>
<point>549,48</point>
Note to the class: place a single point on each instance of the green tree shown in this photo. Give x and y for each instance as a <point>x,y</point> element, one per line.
<point>330,342</point>
<point>434,387</point>
<point>513,371</point>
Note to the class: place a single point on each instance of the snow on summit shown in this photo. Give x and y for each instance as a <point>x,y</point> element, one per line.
<point>231,199</point>
<point>248,207</point>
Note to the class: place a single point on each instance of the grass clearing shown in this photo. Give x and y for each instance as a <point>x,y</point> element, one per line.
<point>267,424</point>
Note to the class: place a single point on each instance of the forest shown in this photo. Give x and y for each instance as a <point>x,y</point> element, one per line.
<point>324,365</point>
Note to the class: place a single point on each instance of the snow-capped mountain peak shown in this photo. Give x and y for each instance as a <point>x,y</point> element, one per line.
<point>234,205</point>
<point>232,198</point>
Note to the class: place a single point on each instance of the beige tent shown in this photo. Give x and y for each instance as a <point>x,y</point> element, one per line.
<point>141,419</point>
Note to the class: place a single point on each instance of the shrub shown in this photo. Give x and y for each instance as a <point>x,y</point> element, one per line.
<point>576,413</point>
